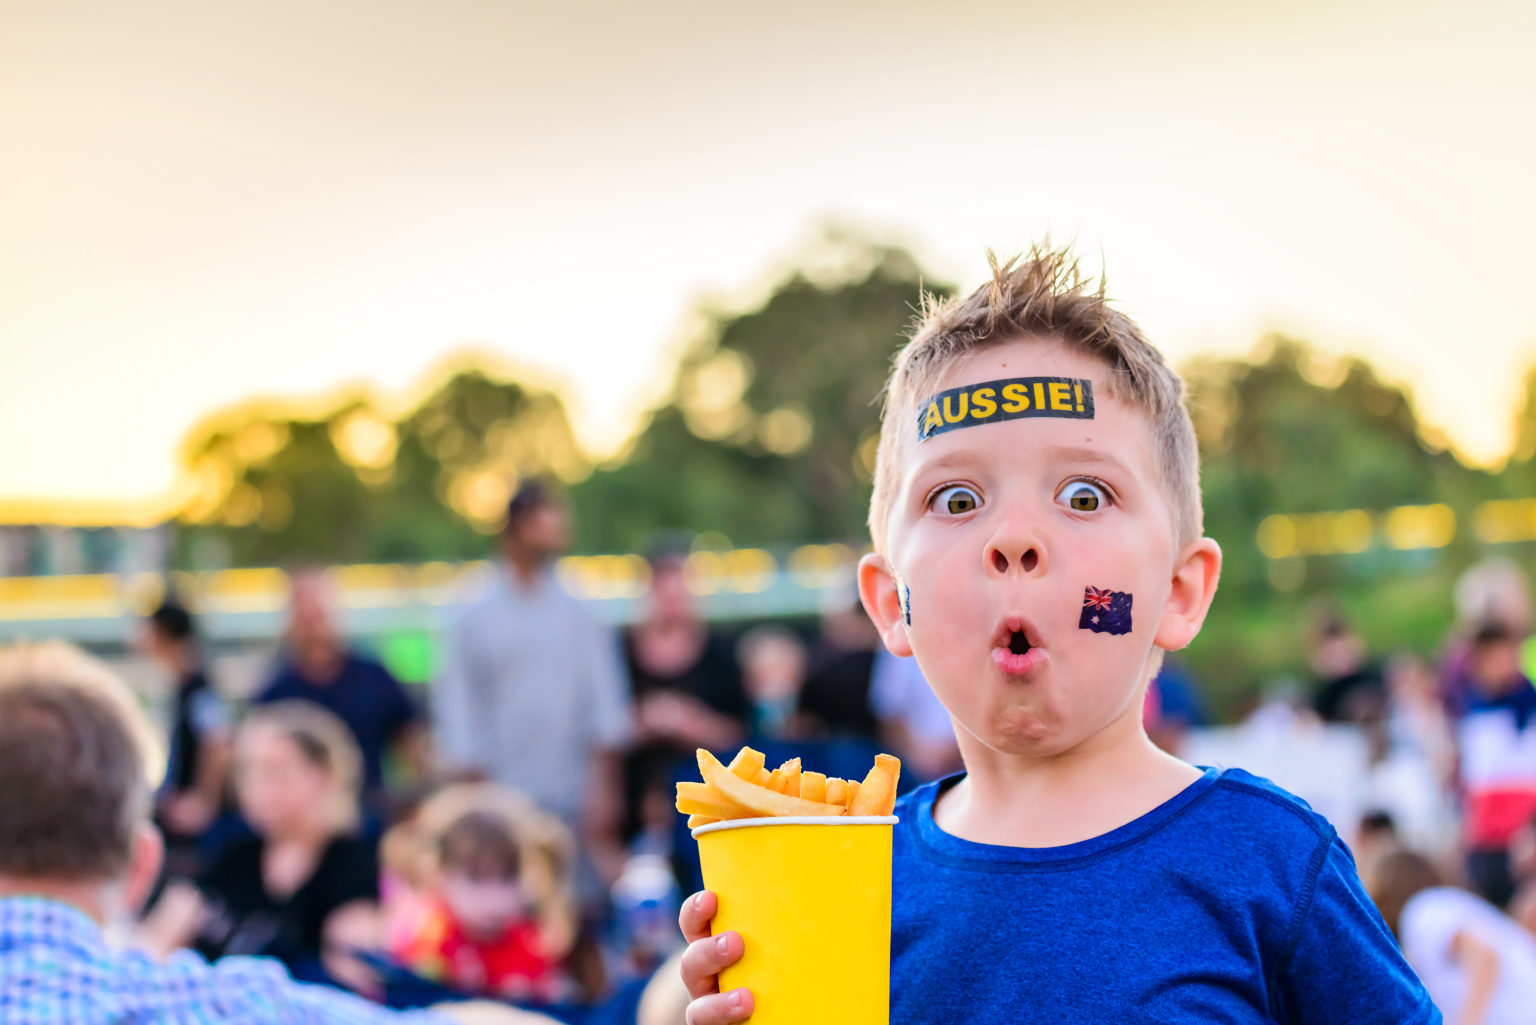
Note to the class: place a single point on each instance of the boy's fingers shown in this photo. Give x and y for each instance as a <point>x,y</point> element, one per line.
<point>703,960</point>
<point>720,1008</point>
<point>695,916</point>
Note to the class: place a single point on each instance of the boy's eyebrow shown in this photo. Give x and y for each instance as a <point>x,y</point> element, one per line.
<point>959,459</point>
<point>1092,455</point>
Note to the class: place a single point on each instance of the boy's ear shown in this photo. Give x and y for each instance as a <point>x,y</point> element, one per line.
<point>881,595</point>
<point>1189,599</point>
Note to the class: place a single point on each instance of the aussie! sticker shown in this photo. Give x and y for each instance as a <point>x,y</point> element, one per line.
<point>1010,399</point>
<point>1105,611</point>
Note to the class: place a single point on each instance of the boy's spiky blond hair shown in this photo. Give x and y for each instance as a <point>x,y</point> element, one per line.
<point>1042,295</point>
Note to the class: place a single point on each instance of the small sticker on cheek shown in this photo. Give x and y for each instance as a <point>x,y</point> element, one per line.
<point>904,597</point>
<point>1105,611</point>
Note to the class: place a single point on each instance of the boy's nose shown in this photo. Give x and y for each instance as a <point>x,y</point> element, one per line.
<point>1026,558</point>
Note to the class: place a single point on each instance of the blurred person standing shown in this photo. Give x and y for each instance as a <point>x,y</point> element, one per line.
<point>687,689</point>
<point>318,665</point>
<point>77,757</point>
<point>532,692</point>
<point>1497,740</point>
<point>198,740</point>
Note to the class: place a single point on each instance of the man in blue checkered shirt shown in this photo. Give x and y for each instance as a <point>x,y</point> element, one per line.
<point>78,855</point>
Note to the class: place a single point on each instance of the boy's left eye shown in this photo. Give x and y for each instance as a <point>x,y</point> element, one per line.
<point>957,500</point>
<point>1082,496</point>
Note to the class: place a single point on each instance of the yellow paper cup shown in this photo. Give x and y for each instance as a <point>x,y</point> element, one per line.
<point>812,899</point>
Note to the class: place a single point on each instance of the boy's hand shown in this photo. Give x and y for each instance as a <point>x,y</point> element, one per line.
<point>702,961</point>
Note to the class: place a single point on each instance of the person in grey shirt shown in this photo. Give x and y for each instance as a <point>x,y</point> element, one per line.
<point>533,693</point>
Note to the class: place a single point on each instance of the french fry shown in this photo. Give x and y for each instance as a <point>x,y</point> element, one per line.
<point>757,800</point>
<point>702,799</point>
<point>853,793</point>
<point>695,821</point>
<point>813,787</point>
<point>747,763</point>
<point>775,781</point>
<point>837,791</point>
<point>791,780</point>
<point>877,795</point>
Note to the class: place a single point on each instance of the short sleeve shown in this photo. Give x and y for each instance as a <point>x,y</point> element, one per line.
<point>399,710</point>
<point>610,724</point>
<point>1343,965</point>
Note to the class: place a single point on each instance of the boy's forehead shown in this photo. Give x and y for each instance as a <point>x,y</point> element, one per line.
<point>1080,421</point>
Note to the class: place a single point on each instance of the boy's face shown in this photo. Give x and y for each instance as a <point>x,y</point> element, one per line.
<point>998,529</point>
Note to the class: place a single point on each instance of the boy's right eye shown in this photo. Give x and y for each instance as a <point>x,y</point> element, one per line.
<point>957,500</point>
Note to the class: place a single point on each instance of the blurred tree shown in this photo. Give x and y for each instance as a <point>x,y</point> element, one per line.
<point>1291,431</point>
<point>769,433</point>
<point>1520,475</point>
<point>355,486</point>
<point>1298,431</point>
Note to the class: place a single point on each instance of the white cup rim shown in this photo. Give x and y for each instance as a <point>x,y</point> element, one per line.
<point>798,820</point>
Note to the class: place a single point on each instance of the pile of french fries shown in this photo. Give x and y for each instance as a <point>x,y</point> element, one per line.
<point>747,789</point>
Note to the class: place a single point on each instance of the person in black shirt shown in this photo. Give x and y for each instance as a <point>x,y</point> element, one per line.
<point>687,691</point>
<point>304,889</point>
<point>198,744</point>
<point>836,696</point>
<point>1349,687</point>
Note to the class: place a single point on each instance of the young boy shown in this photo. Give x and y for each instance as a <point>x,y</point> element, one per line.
<point>1037,545</point>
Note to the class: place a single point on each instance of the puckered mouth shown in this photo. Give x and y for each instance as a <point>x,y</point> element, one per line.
<point>1017,635</point>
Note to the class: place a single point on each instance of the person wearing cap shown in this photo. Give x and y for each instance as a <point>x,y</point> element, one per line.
<point>533,692</point>
<point>199,737</point>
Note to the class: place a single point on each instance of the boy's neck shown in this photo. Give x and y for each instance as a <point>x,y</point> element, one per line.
<point>1107,781</point>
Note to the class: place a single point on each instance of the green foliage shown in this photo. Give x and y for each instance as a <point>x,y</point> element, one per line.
<point>352,485</point>
<point>769,433</point>
<point>1296,432</point>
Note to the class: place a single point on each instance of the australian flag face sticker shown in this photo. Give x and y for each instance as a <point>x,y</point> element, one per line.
<point>1106,611</point>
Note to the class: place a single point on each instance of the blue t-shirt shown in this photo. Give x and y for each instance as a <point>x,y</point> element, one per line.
<point>364,695</point>
<point>1233,902</point>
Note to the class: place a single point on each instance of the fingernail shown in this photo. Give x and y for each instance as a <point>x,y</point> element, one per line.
<point>698,902</point>
<point>734,1000</point>
<point>722,944</point>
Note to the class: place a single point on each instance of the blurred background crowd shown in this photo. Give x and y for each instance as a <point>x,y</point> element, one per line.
<point>505,828</point>
<point>426,682</point>
<point>428,651</point>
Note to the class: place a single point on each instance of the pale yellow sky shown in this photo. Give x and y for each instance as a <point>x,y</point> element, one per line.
<point>201,202</point>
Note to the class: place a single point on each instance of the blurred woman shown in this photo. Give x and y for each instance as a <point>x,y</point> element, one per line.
<point>687,692</point>
<point>304,889</point>
<point>1478,964</point>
